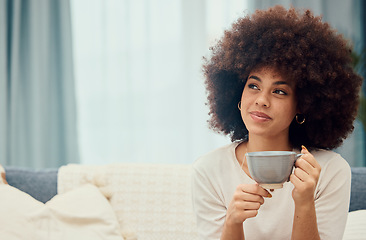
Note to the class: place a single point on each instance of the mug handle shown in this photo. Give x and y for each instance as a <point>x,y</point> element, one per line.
<point>297,156</point>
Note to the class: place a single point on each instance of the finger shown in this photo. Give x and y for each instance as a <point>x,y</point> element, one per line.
<point>301,174</point>
<point>3,176</point>
<point>255,189</point>
<point>308,168</point>
<point>304,165</point>
<point>295,180</point>
<point>311,160</point>
<point>250,213</point>
<point>304,148</point>
<point>309,157</point>
<point>249,197</point>
<point>250,205</point>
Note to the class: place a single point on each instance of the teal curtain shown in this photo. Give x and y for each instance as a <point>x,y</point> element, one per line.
<point>347,18</point>
<point>37,95</point>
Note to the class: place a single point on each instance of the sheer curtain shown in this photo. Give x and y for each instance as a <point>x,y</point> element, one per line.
<point>37,105</point>
<point>139,83</point>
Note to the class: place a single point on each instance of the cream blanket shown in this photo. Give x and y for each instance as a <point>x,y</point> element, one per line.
<point>152,201</point>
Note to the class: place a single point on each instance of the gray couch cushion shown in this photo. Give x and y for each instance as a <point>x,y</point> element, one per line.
<point>40,184</point>
<point>358,189</point>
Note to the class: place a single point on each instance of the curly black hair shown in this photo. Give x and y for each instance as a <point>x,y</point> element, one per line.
<point>303,48</point>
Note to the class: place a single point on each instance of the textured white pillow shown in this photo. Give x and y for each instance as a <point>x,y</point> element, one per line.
<point>151,201</point>
<point>356,226</point>
<point>83,213</point>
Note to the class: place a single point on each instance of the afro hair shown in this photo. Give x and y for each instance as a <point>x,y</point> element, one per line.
<point>308,51</point>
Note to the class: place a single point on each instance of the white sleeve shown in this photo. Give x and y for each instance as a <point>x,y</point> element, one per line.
<point>332,198</point>
<point>208,206</point>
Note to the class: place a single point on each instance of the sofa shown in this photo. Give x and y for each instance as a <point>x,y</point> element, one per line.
<point>152,200</point>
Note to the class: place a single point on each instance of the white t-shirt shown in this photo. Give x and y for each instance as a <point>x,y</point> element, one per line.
<point>217,174</point>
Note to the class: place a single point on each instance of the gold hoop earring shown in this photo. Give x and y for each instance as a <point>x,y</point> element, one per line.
<point>239,105</point>
<point>300,122</point>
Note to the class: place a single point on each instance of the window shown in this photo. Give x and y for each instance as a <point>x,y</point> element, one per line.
<point>139,84</point>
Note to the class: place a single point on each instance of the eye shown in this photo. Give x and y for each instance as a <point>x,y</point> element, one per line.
<point>253,86</point>
<point>280,92</point>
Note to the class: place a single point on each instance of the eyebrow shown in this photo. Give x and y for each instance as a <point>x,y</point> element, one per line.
<point>275,83</point>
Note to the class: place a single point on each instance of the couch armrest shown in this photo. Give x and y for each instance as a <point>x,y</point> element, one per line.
<point>40,184</point>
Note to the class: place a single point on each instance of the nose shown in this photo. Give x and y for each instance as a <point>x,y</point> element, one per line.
<point>263,100</point>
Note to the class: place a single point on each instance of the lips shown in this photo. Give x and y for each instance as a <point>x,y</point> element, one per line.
<point>259,116</point>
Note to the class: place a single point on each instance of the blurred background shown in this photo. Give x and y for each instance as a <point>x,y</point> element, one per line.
<point>105,81</point>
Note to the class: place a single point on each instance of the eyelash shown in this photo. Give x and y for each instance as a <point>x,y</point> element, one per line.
<point>277,91</point>
<point>252,86</point>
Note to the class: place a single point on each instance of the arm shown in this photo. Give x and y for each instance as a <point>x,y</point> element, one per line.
<point>305,179</point>
<point>232,231</point>
<point>305,224</point>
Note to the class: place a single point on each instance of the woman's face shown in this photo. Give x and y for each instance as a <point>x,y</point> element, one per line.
<point>268,103</point>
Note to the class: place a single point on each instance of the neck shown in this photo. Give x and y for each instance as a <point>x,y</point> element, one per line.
<point>259,143</point>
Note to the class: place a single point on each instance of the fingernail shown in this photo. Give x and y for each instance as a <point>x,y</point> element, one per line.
<point>303,147</point>
<point>269,195</point>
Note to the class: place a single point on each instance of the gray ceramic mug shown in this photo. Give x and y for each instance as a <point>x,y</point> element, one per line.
<point>271,169</point>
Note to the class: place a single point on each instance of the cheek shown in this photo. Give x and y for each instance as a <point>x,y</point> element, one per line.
<point>290,111</point>
<point>243,95</point>
<point>246,98</point>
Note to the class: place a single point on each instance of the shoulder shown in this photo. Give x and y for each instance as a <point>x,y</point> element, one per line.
<point>334,167</point>
<point>213,160</point>
<point>330,159</point>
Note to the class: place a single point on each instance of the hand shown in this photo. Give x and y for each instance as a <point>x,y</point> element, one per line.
<point>245,203</point>
<point>305,178</point>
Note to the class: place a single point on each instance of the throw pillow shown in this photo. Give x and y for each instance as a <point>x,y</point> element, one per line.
<point>356,225</point>
<point>83,213</point>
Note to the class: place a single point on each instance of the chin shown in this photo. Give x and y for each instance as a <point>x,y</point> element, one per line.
<point>258,131</point>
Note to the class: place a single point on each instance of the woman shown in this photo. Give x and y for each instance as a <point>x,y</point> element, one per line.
<point>279,79</point>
